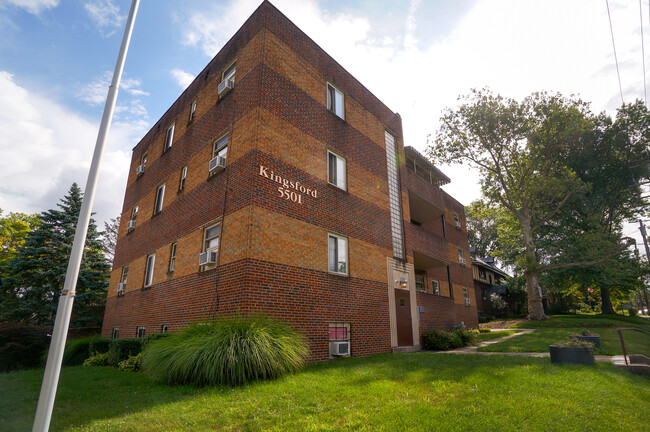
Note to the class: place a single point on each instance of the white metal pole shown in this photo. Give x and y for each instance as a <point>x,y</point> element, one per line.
<point>66,300</point>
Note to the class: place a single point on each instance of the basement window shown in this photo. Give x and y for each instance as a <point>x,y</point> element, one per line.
<point>140,332</point>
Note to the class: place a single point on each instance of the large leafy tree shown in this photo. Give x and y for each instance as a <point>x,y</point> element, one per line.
<point>483,226</point>
<point>13,230</point>
<point>520,150</point>
<point>34,276</point>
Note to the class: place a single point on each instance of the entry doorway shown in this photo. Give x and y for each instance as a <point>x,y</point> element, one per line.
<point>403,318</point>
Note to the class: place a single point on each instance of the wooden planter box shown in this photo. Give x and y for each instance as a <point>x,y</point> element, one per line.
<point>593,339</point>
<point>575,355</point>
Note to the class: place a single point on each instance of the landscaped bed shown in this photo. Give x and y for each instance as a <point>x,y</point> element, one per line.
<point>387,392</point>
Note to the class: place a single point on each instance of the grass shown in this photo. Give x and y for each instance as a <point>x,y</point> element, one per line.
<point>410,392</point>
<point>541,338</point>
<point>482,337</point>
<point>573,321</point>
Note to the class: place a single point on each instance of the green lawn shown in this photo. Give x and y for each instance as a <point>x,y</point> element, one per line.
<point>406,392</point>
<point>573,321</point>
<point>541,338</point>
<point>482,337</point>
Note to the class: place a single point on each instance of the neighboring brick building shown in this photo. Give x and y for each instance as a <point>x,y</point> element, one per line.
<point>488,279</point>
<point>287,186</point>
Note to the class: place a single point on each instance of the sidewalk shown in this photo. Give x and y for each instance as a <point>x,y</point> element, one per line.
<point>474,349</point>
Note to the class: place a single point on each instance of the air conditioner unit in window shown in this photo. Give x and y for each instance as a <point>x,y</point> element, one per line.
<point>121,287</point>
<point>457,224</point>
<point>217,164</point>
<point>462,261</point>
<point>139,170</point>
<point>225,86</point>
<point>467,302</point>
<point>340,348</point>
<point>130,224</point>
<point>208,258</point>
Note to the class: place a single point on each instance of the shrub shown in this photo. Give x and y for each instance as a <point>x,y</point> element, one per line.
<point>585,332</point>
<point>122,349</point>
<point>484,330</point>
<point>571,342</point>
<point>133,363</point>
<point>22,345</point>
<point>97,359</point>
<point>436,340</point>
<point>100,345</point>
<point>77,350</point>
<point>485,318</point>
<point>466,337</point>
<point>229,351</point>
<point>456,340</point>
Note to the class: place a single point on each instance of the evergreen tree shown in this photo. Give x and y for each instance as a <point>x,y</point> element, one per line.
<point>34,276</point>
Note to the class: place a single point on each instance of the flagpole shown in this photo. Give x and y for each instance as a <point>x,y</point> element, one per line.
<point>66,299</point>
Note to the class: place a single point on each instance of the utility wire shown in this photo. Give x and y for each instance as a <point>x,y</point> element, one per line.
<point>645,92</point>
<point>618,72</point>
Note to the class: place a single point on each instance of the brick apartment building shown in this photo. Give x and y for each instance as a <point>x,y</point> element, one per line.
<point>278,184</point>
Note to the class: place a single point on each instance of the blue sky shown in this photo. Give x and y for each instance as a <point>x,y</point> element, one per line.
<point>417,56</point>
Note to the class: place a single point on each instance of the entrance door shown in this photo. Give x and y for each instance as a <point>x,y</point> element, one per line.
<point>403,318</point>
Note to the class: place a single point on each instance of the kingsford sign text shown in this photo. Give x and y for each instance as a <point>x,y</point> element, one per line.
<point>288,189</point>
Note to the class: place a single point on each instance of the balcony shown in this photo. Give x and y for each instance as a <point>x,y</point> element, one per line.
<point>429,250</point>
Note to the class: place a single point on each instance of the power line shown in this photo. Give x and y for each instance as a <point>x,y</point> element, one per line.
<point>645,92</point>
<point>618,72</point>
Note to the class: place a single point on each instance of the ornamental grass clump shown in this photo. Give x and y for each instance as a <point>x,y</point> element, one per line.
<point>230,351</point>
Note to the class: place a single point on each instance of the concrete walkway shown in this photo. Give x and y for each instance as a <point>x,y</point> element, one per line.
<point>474,349</point>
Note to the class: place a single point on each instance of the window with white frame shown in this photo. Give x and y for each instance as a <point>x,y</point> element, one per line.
<point>338,254</point>
<point>420,279</point>
<point>211,242</point>
<point>181,184</point>
<point>461,257</point>
<point>220,147</point>
<point>148,272</point>
<point>192,110</point>
<point>466,294</point>
<point>335,101</point>
<point>169,138</point>
<point>160,196</point>
<point>141,331</point>
<point>336,174</point>
<point>125,274</point>
<point>435,287</point>
<point>116,333</point>
<point>172,257</point>
<point>134,212</point>
<point>229,74</point>
<point>457,220</point>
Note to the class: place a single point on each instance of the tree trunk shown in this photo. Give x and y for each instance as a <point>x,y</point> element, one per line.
<point>647,304</point>
<point>607,308</point>
<point>535,306</point>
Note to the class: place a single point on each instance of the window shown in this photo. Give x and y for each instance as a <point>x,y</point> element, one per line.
<point>134,212</point>
<point>169,138</point>
<point>116,333</point>
<point>451,288</point>
<point>164,328</point>
<point>211,242</point>
<point>192,110</point>
<point>336,170</point>
<point>420,280</point>
<point>160,196</point>
<point>181,185</point>
<point>335,100</point>
<point>148,272</point>
<point>435,287</point>
<point>125,273</point>
<point>172,257</point>
<point>457,220</point>
<point>481,273</point>
<point>339,331</point>
<point>143,159</point>
<point>466,295</point>
<point>338,254</point>
<point>141,331</point>
<point>229,74</point>
<point>461,257</point>
<point>220,147</point>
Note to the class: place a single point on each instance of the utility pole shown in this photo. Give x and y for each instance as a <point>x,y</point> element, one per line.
<point>647,254</point>
<point>66,300</point>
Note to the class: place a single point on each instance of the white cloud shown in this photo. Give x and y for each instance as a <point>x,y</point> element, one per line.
<point>33,6</point>
<point>94,93</point>
<point>183,79</point>
<point>106,15</point>
<point>46,147</point>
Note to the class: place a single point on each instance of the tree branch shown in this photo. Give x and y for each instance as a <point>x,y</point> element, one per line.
<point>629,242</point>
